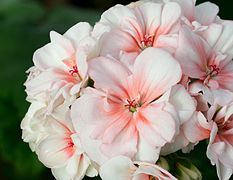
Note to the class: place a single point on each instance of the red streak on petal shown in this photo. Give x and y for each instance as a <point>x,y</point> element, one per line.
<point>70,148</point>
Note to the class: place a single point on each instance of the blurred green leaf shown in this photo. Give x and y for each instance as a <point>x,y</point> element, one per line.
<point>18,12</point>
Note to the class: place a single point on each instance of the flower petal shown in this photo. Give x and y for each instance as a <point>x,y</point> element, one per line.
<point>125,143</point>
<point>117,168</point>
<point>197,128</point>
<point>206,13</point>
<point>170,16</point>
<point>155,71</point>
<point>101,71</point>
<point>181,100</point>
<point>54,151</point>
<point>78,32</point>
<point>158,124</point>
<point>192,54</point>
<point>146,152</point>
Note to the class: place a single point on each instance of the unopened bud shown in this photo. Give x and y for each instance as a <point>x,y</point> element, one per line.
<point>185,170</point>
<point>162,162</point>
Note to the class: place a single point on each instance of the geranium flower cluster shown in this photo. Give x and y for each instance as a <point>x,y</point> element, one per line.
<point>149,79</point>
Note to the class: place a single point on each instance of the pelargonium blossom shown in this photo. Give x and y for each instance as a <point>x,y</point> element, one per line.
<point>137,26</point>
<point>60,66</point>
<point>217,126</point>
<point>125,110</point>
<point>62,152</point>
<point>211,66</point>
<point>149,79</point>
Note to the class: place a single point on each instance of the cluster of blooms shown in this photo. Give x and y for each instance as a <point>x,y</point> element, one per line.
<point>149,79</point>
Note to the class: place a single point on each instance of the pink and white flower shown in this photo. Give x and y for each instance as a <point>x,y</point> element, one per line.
<point>125,114</point>
<point>162,73</point>
<point>130,29</point>
<point>217,126</point>
<point>122,168</point>
<point>32,125</point>
<point>199,17</point>
<point>40,117</point>
<point>60,66</point>
<point>62,152</point>
<point>211,66</point>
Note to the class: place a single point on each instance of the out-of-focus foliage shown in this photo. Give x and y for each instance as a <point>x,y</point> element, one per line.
<point>24,27</point>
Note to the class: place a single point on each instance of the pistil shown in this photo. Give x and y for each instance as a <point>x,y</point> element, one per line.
<point>147,41</point>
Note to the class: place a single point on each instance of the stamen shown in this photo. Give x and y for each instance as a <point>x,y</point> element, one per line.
<point>147,41</point>
<point>74,71</point>
<point>132,106</point>
<point>213,70</point>
<point>70,144</point>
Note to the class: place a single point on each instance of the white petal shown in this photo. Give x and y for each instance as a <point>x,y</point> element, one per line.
<point>117,168</point>
<point>78,32</point>
<point>206,13</point>
<point>146,152</point>
<point>158,74</point>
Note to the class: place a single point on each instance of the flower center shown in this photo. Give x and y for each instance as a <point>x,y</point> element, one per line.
<point>70,147</point>
<point>72,67</point>
<point>147,41</point>
<point>212,71</point>
<point>224,126</point>
<point>133,105</point>
<point>74,71</point>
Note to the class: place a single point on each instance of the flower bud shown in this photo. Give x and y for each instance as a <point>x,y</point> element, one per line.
<point>185,170</point>
<point>162,162</point>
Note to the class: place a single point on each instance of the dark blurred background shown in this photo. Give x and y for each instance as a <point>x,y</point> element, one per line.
<point>24,27</point>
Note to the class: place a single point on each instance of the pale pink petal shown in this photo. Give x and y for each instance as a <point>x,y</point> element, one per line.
<point>88,144</point>
<point>225,41</point>
<point>191,53</point>
<point>170,17</point>
<point>77,166</point>
<point>153,170</point>
<point>60,173</point>
<point>91,172</point>
<point>114,16</point>
<point>101,71</point>
<point>168,42</point>
<point>157,125</point>
<point>224,173</point>
<point>187,7</point>
<point>117,168</point>
<point>84,117</point>
<point>150,14</point>
<point>125,143</point>
<point>197,128</point>
<point>180,141</point>
<point>146,152</point>
<point>54,151</point>
<point>222,97</point>
<point>61,41</point>
<point>158,74</point>
<point>225,77</point>
<point>122,41</point>
<point>181,100</point>
<point>50,55</point>
<point>212,34</point>
<point>206,13</point>
<point>115,128</point>
<point>220,153</point>
<point>78,32</point>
